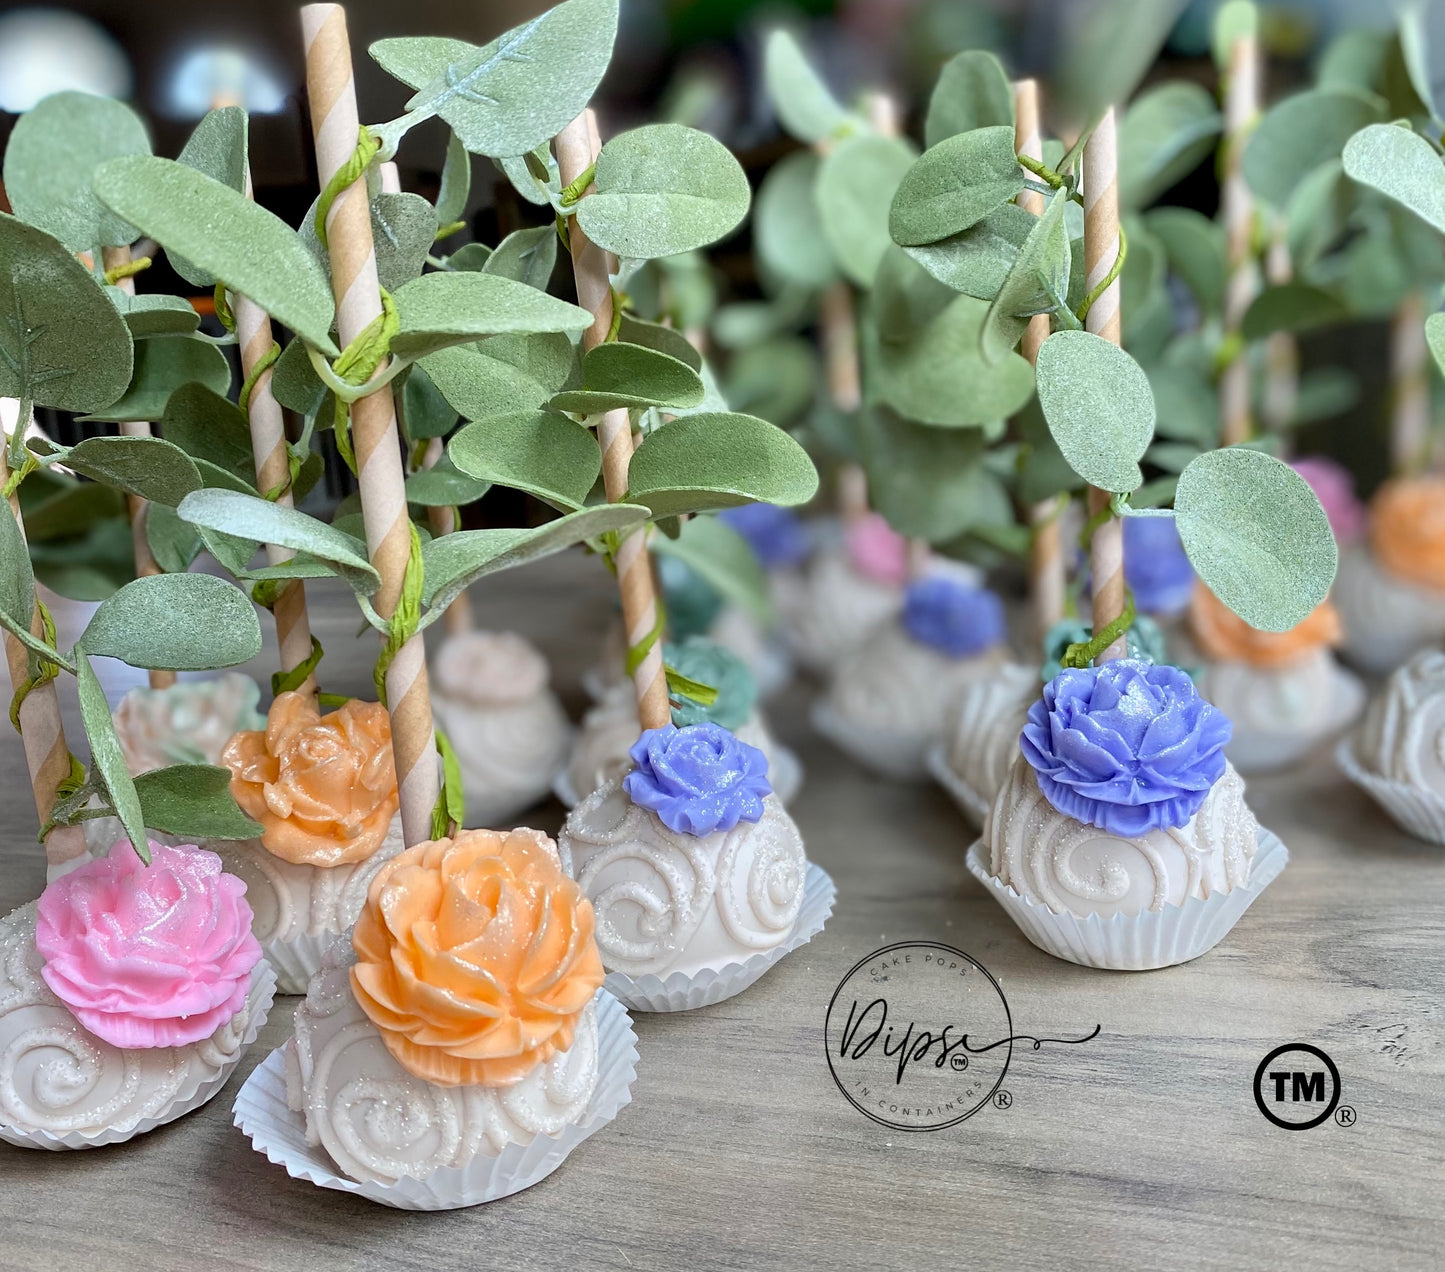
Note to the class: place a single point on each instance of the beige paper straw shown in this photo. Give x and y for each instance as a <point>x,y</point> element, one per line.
<point>1047,582</point>
<point>1101,250</point>
<point>1241,107</point>
<point>577,147</point>
<point>1281,350</point>
<point>335,126</point>
<point>41,731</point>
<point>1409,387</point>
<point>145,562</point>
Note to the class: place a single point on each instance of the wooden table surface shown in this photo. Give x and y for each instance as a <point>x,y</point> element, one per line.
<point>1142,1149</point>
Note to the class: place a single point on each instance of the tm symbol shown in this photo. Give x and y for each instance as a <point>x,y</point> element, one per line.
<point>1345,1115</point>
<point>1003,1100</point>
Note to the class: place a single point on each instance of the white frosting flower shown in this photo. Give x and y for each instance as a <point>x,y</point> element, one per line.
<point>188,723</point>
<point>490,668</point>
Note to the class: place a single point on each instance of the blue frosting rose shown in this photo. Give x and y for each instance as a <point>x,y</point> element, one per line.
<point>777,536</point>
<point>1155,567</point>
<point>711,664</point>
<point>699,779</point>
<point>1128,746</point>
<point>953,617</point>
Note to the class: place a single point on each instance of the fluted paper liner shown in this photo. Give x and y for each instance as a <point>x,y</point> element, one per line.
<point>1141,942</point>
<point>973,805</point>
<point>901,756</point>
<point>1416,811</point>
<point>189,1098</point>
<point>262,1114</point>
<point>680,992</point>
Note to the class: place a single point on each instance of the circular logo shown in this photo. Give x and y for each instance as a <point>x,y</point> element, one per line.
<point>1297,1086</point>
<point>918,1036</point>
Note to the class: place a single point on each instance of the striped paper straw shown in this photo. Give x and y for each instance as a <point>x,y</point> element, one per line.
<point>577,147</point>
<point>335,126</point>
<point>1281,350</point>
<point>1241,106</point>
<point>1409,387</point>
<point>1101,250</point>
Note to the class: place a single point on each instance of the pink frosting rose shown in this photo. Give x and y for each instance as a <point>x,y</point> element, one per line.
<point>877,551</point>
<point>148,956</point>
<point>1335,488</point>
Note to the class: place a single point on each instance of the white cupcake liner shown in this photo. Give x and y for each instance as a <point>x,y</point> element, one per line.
<point>901,756</point>
<point>970,802</point>
<point>190,1097</point>
<point>1416,811</point>
<point>680,992</point>
<point>296,960</point>
<point>1140,942</point>
<point>785,772</point>
<point>1254,750</point>
<point>262,1114</point>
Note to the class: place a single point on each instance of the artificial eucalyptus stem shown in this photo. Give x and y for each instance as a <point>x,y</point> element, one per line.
<point>1101,249</point>
<point>41,731</point>
<point>1409,387</point>
<point>116,262</point>
<point>577,147</point>
<point>1241,107</point>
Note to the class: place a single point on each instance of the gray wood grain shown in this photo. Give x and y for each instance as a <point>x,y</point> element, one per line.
<point>1142,1149</point>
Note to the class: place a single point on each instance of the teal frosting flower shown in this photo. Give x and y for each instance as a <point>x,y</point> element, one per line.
<point>713,665</point>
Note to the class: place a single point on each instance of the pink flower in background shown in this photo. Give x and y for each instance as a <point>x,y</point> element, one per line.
<point>1335,488</point>
<point>148,956</point>
<point>877,550</point>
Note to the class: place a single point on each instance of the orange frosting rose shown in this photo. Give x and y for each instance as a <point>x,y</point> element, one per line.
<point>1407,529</point>
<point>475,957</point>
<point>1224,636</point>
<point>322,787</point>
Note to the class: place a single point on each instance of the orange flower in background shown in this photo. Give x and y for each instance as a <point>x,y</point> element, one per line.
<point>1407,529</point>
<point>322,787</point>
<point>475,957</point>
<point>1226,637</point>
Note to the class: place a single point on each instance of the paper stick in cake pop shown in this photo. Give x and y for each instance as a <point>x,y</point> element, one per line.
<point>1241,108</point>
<point>1046,549</point>
<point>389,534</point>
<point>1281,350</point>
<point>577,147</point>
<point>1101,250</point>
<point>1409,386</point>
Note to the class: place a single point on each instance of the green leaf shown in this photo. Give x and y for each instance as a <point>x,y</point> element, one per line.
<point>1256,535</point>
<point>855,191</point>
<point>1355,59</point>
<point>718,460</point>
<point>403,232</point>
<point>940,376</point>
<point>223,233</point>
<point>1234,20</point>
<point>1402,166</point>
<point>805,107</point>
<point>154,315</point>
<point>62,343</point>
<point>721,556</point>
<point>1046,254</point>
<point>50,163</point>
<point>194,801</point>
<point>208,426</point>
<point>1106,49</point>
<point>504,373</point>
<point>1099,406</point>
<point>249,517</point>
<point>776,381</point>
<point>441,309</point>
<point>1435,337</point>
<point>1417,27</point>
<point>1194,248</point>
<point>519,91</point>
<point>17,582</point>
<point>1186,405</point>
<point>972,91</point>
<point>453,562</point>
<point>218,147</point>
<point>456,182</point>
<point>71,510</point>
<point>146,466</point>
<point>106,757</point>
<point>294,382</point>
<point>160,368</point>
<point>663,189</point>
<point>441,486</point>
<point>540,451</point>
<point>785,224</point>
<point>666,340</point>
<point>425,411</point>
<point>534,175</point>
<point>954,185</point>
<point>173,543</point>
<point>1299,134</point>
<point>181,622</point>
<point>470,256</point>
<point>525,256</point>
<point>978,261</point>
<point>1291,307</point>
<point>617,374</point>
<point>1165,134</point>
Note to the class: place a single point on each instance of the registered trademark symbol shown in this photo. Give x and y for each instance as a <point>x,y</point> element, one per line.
<point>1003,1100</point>
<point>1345,1115</point>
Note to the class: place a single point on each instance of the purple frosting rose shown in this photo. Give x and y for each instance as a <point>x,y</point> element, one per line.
<point>1128,746</point>
<point>698,779</point>
<point>953,617</point>
<point>777,536</point>
<point>1155,567</point>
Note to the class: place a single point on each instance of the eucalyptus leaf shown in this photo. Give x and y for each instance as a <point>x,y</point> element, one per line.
<point>805,107</point>
<point>1435,338</point>
<point>1299,134</point>
<point>977,261</point>
<point>1355,59</point>
<point>470,256</point>
<point>855,190</point>
<point>1234,20</point>
<point>107,759</point>
<point>1320,213</point>
<point>1256,534</point>
<point>525,256</point>
<point>193,801</point>
<point>173,543</point>
<point>208,426</point>
<point>1402,166</point>
<point>1099,406</point>
<point>534,175</point>
<point>785,224</point>
<point>149,467</point>
<point>456,182</point>
<point>154,315</point>
<point>1194,248</point>
<point>540,452</point>
<point>160,368</point>
<point>442,486</point>
<point>504,373</point>
<point>403,232</point>
<point>776,381</point>
<point>424,409</point>
<point>442,309</point>
<point>17,582</point>
<point>1165,134</point>
<point>717,460</point>
<point>1422,34</point>
<point>1107,47</point>
<point>1293,306</point>
<point>294,383</point>
<point>954,185</point>
<point>654,335</point>
<point>720,556</point>
<point>181,622</point>
<point>1186,405</point>
<point>70,510</point>
<point>1045,255</point>
<point>218,146</point>
<point>50,163</point>
<point>663,189</point>
<point>972,91</point>
<point>618,374</point>
<point>220,231</point>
